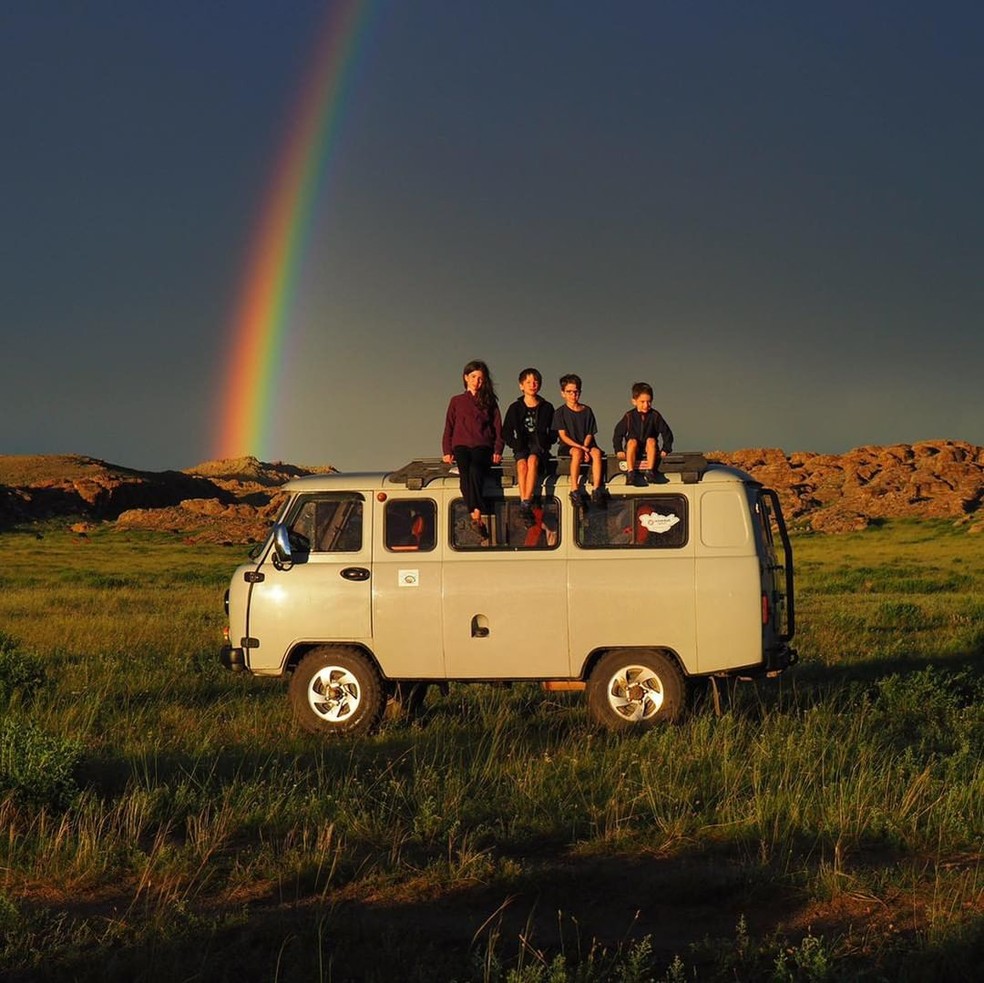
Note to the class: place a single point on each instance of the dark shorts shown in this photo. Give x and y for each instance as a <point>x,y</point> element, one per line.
<point>522,455</point>
<point>565,451</point>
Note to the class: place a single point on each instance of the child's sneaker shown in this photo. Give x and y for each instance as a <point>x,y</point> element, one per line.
<point>526,514</point>
<point>651,476</point>
<point>598,497</point>
<point>637,479</point>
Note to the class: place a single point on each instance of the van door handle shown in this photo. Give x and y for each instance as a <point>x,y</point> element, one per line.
<point>355,573</point>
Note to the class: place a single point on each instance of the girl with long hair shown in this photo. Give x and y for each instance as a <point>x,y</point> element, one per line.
<point>473,437</point>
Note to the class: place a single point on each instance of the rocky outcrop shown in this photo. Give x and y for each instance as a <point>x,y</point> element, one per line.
<point>44,487</point>
<point>234,500</point>
<point>218,501</point>
<point>938,479</point>
<point>204,520</point>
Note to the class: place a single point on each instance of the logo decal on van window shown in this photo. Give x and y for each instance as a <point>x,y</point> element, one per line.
<point>408,578</point>
<point>654,522</point>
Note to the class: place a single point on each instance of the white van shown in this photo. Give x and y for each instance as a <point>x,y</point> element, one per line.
<point>372,586</point>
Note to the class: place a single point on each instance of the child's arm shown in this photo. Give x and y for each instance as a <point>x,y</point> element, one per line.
<point>497,429</point>
<point>448,457</point>
<point>510,432</point>
<point>666,435</point>
<point>618,437</point>
<point>566,439</point>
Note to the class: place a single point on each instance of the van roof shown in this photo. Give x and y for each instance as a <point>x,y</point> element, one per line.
<point>684,468</point>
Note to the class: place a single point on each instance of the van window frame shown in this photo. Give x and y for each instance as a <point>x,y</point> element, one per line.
<point>457,505</point>
<point>302,500</point>
<point>422,502</point>
<point>583,520</point>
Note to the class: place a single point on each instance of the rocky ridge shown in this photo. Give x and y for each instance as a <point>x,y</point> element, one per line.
<point>229,501</point>
<point>233,501</point>
<point>932,479</point>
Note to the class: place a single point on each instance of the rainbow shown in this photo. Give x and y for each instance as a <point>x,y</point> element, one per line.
<point>262,321</point>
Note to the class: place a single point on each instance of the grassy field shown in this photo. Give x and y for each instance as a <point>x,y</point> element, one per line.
<point>161,819</point>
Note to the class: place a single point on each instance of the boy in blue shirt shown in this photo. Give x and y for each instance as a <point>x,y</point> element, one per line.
<point>576,428</point>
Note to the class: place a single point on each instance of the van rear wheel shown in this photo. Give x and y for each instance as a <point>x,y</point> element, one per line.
<point>336,691</point>
<point>634,690</point>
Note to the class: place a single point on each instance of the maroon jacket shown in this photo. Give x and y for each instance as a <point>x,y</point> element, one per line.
<point>468,425</point>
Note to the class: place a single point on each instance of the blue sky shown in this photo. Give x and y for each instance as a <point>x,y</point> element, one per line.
<point>771,211</point>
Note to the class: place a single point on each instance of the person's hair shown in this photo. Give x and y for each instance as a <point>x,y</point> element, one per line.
<point>566,380</point>
<point>642,387</point>
<point>486,397</point>
<point>533,372</point>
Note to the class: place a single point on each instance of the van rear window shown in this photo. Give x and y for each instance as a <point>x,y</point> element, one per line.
<point>634,522</point>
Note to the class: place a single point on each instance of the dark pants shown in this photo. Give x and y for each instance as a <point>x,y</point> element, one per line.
<point>474,463</point>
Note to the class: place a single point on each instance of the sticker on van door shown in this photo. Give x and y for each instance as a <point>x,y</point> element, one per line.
<point>408,578</point>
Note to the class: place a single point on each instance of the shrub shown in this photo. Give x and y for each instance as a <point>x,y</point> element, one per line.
<point>19,671</point>
<point>36,767</point>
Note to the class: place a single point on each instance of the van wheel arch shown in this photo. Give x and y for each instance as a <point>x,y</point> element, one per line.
<point>301,649</point>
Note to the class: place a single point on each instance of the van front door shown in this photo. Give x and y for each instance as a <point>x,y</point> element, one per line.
<point>323,593</point>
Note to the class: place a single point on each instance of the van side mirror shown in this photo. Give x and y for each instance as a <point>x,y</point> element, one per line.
<point>282,558</point>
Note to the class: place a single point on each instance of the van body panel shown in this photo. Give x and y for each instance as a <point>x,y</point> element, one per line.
<point>503,618</point>
<point>623,599</point>
<point>725,528</point>
<point>729,612</point>
<point>408,622</point>
<point>407,594</point>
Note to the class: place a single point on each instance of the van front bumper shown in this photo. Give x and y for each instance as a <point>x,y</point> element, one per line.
<point>233,659</point>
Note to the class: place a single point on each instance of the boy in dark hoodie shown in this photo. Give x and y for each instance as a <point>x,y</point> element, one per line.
<point>527,430</point>
<point>641,432</point>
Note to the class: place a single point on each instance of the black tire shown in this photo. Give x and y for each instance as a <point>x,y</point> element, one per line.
<point>336,691</point>
<point>632,689</point>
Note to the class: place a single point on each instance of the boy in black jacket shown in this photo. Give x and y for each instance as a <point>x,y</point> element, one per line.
<point>527,430</point>
<point>641,431</point>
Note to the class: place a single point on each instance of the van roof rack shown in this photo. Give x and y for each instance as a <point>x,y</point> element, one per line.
<point>421,472</point>
<point>417,474</point>
<point>690,465</point>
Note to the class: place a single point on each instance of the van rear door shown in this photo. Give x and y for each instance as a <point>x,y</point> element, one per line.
<point>776,559</point>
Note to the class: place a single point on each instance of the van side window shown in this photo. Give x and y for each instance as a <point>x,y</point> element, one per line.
<point>634,522</point>
<point>508,529</point>
<point>327,524</point>
<point>409,525</point>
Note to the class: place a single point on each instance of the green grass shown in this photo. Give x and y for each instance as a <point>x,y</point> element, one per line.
<point>827,826</point>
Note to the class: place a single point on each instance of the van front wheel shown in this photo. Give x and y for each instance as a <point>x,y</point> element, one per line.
<point>336,691</point>
<point>634,690</point>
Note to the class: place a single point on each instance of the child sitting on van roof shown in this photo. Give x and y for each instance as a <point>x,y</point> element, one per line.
<point>576,428</point>
<point>473,438</point>
<point>640,432</point>
<point>527,430</point>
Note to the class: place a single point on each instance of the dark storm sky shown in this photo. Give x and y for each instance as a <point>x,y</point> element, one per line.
<point>771,211</point>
